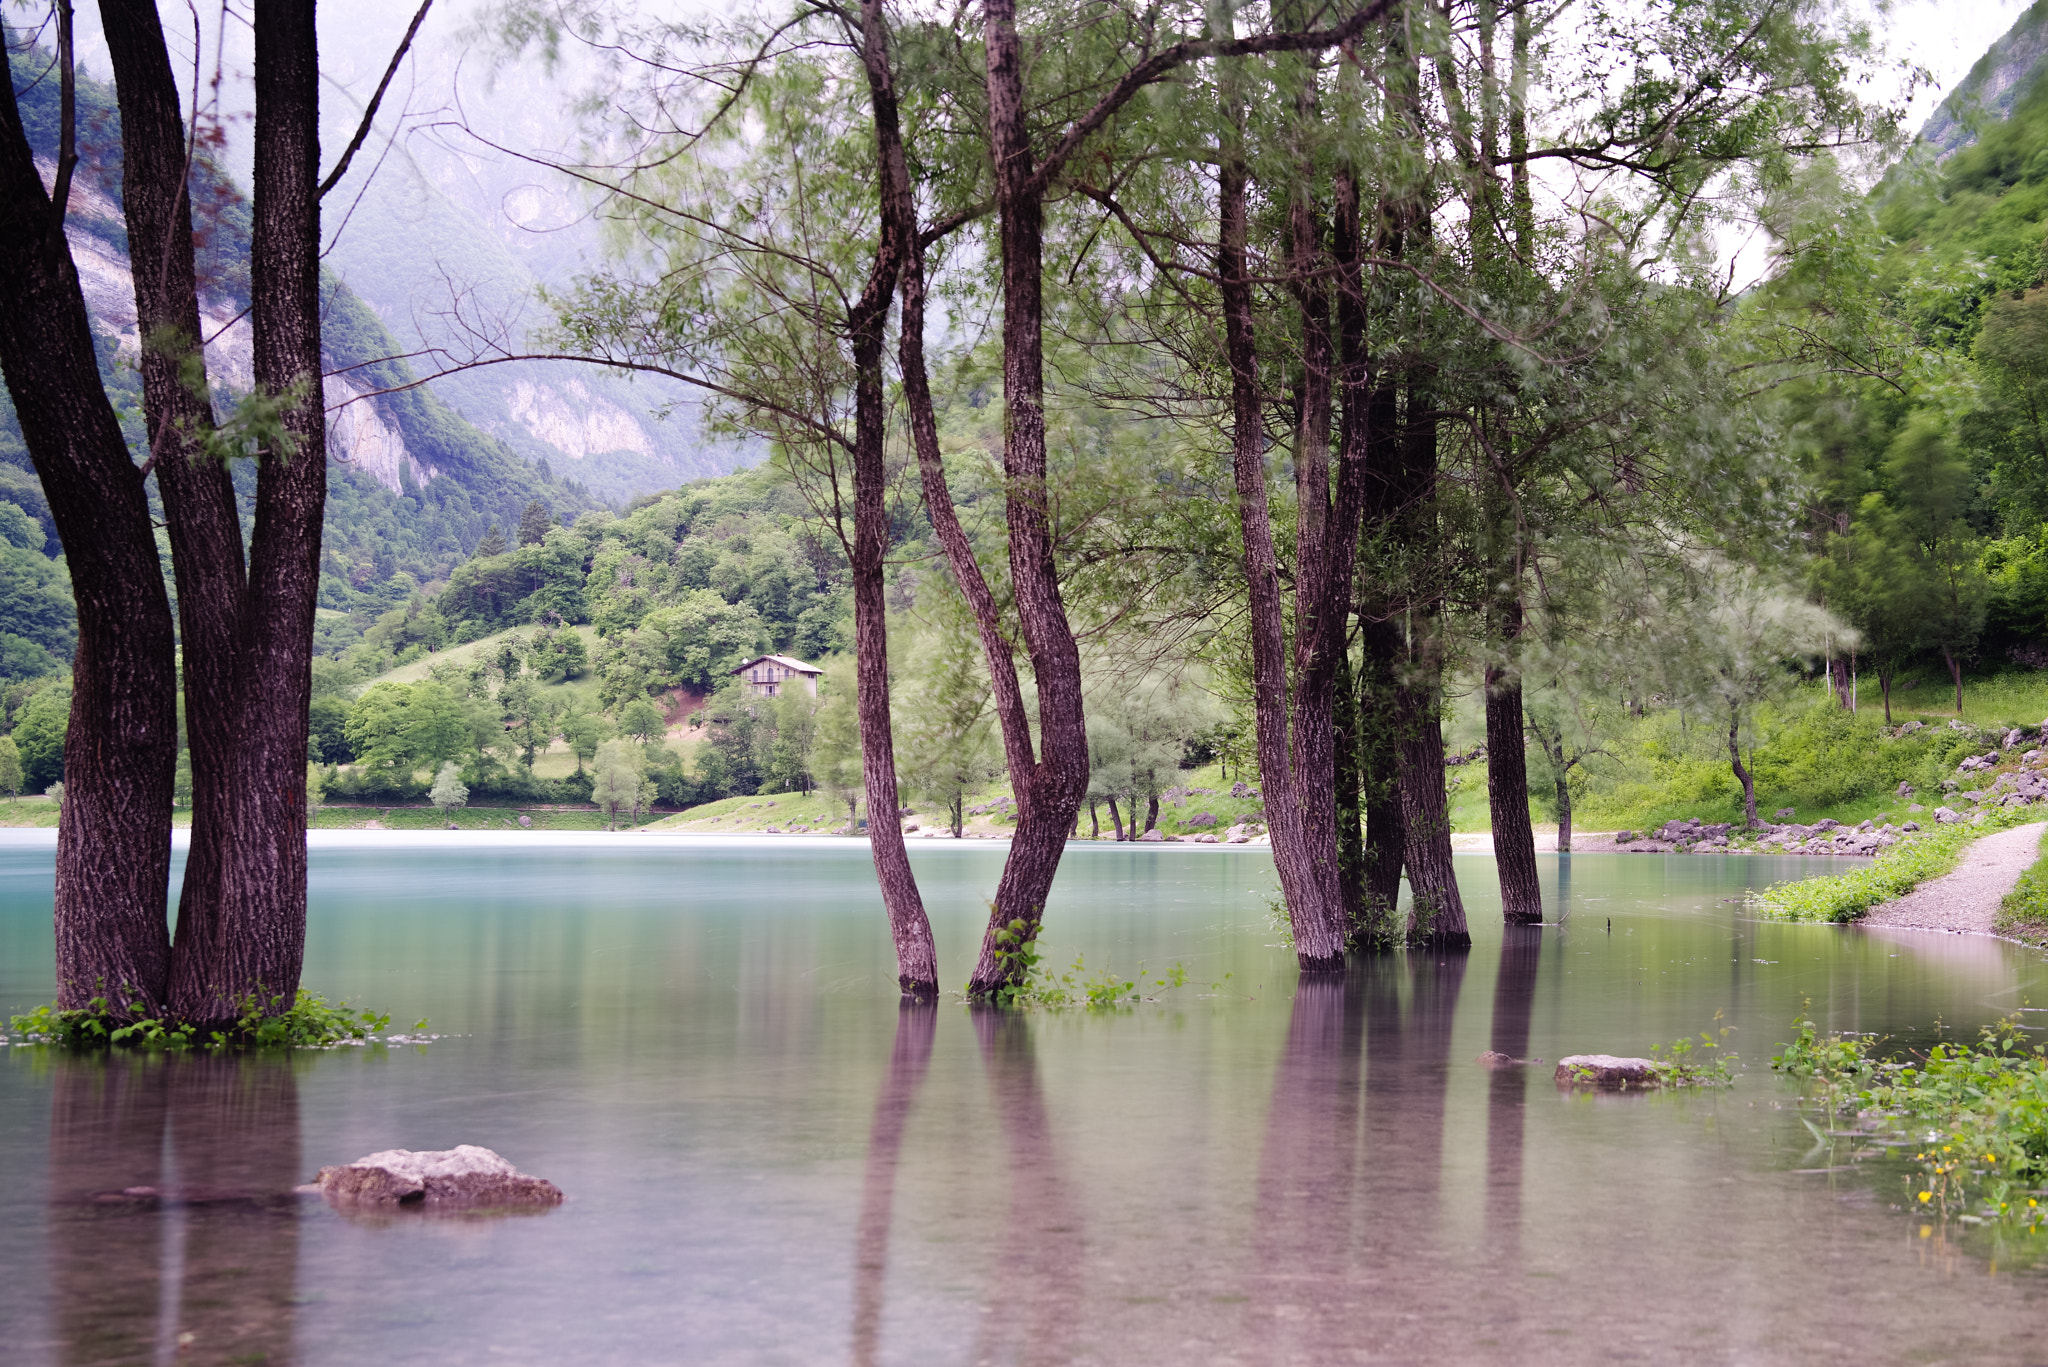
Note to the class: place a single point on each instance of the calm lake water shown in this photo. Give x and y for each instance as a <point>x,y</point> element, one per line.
<point>767,1161</point>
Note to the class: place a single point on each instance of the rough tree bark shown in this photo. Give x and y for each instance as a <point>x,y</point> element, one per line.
<point>245,936</point>
<point>1386,824</point>
<point>1432,879</point>
<point>200,513</point>
<point>120,747</point>
<point>1742,774</point>
<point>1314,903</point>
<point>917,971</point>
<point>1507,783</point>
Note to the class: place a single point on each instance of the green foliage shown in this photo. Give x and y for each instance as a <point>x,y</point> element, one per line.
<point>448,791</point>
<point>1894,873</point>
<point>308,1022</point>
<point>1975,1113</point>
<point>39,732</point>
<point>11,773</point>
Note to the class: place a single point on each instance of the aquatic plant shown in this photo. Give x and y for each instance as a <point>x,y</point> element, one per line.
<point>1975,1114</point>
<point>310,1022</point>
<point>1896,872</point>
<point>1033,983</point>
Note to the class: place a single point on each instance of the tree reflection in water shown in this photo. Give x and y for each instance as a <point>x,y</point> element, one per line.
<point>915,1020</point>
<point>1036,1290</point>
<point>173,1223</point>
<point>1514,1000</point>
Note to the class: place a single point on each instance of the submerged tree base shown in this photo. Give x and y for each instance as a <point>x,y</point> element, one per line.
<point>308,1023</point>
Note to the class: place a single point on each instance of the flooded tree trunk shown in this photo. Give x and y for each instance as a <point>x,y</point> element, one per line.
<point>1386,824</point>
<point>1507,792</point>
<point>245,939</point>
<point>120,746</point>
<point>200,511</point>
<point>1350,817</point>
<point>1439,908</point>
<point>1314,903</point>
<point>917,972</point>
<point>1564,814</point>
<point>1050,787</point>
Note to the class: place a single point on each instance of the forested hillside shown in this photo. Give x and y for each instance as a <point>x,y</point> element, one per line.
<point>1915,395</point>
<point>452,481</point>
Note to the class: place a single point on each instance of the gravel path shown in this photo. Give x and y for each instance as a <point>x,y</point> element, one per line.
<point>1964,901</point>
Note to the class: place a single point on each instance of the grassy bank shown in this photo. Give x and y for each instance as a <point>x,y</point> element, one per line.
<point>1805,752</point>
<point>1924,855</point>
<point>2023,915</point>
<point>339,818</point>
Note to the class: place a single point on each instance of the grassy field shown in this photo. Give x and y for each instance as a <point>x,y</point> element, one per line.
<point>40,811</point>
<point>818,813</point>
<point>332,818</point>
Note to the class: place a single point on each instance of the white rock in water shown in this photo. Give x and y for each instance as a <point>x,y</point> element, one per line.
<point>1606,1070</point>
<point>464,1176</point>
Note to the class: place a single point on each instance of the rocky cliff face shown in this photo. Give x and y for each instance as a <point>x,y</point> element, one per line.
<point>1995,84</point>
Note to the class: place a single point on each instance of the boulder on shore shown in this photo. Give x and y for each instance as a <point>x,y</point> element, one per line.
<point>1606,1070</point>
<point>464,1177</point>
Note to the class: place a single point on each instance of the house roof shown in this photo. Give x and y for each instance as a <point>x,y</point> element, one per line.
<point>785,661</point>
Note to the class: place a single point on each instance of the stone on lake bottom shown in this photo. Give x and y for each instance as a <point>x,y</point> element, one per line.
<point>464,1177</point>
<point>1606,1070</point>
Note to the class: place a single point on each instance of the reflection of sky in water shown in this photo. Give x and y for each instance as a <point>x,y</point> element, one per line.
<point>768,1162</point>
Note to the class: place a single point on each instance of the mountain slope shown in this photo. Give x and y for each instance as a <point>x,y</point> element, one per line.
<point>2000,78</point>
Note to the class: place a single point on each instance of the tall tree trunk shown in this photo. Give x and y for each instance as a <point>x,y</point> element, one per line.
<point>1115,821</point>
<point>1507,793</point>
<point>1094,824</point>
<point>1955,672</point>
<point>250,941</point>
<point>917,971</point>
<point>1884,684</point>
<point>1314,903</point>
<point>120,747</point>
<point>1742,775</point>
<point>1386,822</point>
<point>1151,814</point>
<point>1051,781</point>
<point>200,511</point>
<point>1350,819</point>
<point>1439,913</point>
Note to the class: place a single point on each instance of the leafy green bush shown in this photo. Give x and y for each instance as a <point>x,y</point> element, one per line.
<point>1896,872</point>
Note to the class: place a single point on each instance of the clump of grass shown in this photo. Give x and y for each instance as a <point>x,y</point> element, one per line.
<point>1976,1115</point>
<point>1896,872</point>
<point>2024,913</point>
<point>310,1022</point>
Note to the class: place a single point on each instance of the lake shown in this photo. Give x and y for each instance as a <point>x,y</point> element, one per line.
<point>767,1161</point>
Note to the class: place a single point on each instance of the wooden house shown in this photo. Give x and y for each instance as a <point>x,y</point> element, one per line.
<point>768,675</point>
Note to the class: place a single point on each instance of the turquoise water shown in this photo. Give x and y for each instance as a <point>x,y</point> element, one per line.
<point>767,1161</point>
